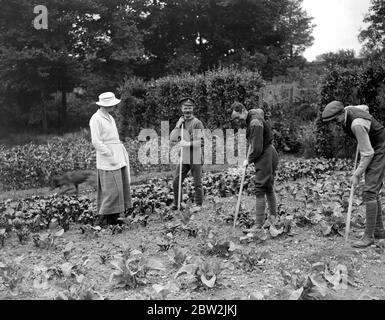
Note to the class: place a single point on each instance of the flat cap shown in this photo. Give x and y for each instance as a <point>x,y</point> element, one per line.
<point>188,100</point>
<point>332,110</point>
<point>261,113</point>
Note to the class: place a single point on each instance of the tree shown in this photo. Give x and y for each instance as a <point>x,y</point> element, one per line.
<point>91,41</point>
<point>342,58</point>
<point>36,63</point>
<point>296,28</point>
<point>110,44</point>
<point>222,32</point>
<point>373,37</point>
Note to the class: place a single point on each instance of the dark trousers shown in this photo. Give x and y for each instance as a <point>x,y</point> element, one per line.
<point>196,171</point>
<point>374,175</point>
<point>265,168</point>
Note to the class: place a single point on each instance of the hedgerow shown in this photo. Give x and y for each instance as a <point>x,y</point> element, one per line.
<point>352,86</point>
<point>146,104</point>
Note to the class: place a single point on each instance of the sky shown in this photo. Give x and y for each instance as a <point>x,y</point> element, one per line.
<point>338,25</point>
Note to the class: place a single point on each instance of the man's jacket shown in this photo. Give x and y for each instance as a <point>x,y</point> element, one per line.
<point>258,134</point>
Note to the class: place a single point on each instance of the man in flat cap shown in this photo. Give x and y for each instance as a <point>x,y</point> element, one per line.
<point>191,144</point>
<point>370,135</point>
<point>262,154</point>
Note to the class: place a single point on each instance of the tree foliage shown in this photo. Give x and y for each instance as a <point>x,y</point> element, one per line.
<point>85,39</point>
<point>342,58</point>
<point>252,33</point>
<point>373,36</point>
<point>353,85</point>
<point>147,104</point>
<point>36,63</point>
<point>96,44</point>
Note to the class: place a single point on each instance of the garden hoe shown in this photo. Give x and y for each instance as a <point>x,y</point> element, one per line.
<point>240,190</point>
<point>348,217</point>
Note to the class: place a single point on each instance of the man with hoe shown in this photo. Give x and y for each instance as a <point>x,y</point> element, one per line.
<point>262,154</point>
<point>191,144</point>
<point>370,135</point>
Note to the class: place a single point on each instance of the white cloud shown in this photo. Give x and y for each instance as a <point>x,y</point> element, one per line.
<point>338,25</point>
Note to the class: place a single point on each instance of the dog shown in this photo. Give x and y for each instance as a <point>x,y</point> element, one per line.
<point>73,179</point>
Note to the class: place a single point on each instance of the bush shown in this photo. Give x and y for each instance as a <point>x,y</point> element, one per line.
<point>285,128</point>
<point>33,165</point>
<point>145,105</point>
<point>294,103</point>
<point>352,86</point>
<point>307,140</point>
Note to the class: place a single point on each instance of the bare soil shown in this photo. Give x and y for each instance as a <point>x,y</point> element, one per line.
<point>297,254</point>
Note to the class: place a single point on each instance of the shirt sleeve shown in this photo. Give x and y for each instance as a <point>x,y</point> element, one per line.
<point>256,142</point>
<point>360,128</point>
<point>96,138</point>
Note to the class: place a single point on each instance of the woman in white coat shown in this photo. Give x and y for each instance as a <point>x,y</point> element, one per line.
<point>112,162</point>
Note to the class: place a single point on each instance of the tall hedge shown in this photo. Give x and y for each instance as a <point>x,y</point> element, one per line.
<point>352,86</point>
<point>146,104</point>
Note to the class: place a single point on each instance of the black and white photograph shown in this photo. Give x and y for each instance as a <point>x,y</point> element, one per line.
<point>195,156</point>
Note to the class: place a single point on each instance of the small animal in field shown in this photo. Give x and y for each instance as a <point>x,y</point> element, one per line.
<point>72,180</point>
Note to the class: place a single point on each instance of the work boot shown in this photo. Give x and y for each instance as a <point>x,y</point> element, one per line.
<point>101,221</point>
<point>379,232</point>
<point>371,217</point>
<point>364,242</point>
<point>112,219</point>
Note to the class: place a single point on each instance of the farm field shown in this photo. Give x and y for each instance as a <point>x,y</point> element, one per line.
<point>158,254</point>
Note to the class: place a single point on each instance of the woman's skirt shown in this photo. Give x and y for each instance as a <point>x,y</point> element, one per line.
<point>114,194</point>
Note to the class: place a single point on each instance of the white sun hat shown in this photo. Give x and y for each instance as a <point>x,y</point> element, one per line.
<point>108,99</point>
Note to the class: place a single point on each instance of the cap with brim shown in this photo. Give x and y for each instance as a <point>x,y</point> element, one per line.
<point>261,113</point>
<point>108,99</point>
<point>332,111</point>
<point>187,100</point>
<point>234,115</point>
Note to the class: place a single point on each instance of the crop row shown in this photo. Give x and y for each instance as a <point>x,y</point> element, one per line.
<point>33,166</point>
<point>36,213</point>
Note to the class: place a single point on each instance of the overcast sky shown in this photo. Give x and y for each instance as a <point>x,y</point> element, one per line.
<point>338,25</point>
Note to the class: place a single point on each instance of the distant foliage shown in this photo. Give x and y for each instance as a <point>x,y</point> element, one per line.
<point>145,105</point>
<point>307,139</point>
<point>33,165</point>
<point>293,106</point>
<point>352,86</point>
<point>342,58</point>
<point>373,36</point>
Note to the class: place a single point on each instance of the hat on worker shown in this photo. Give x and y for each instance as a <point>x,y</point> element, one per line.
<point>187,100</point>
<point>237,108</point>
<point>108,99</point>
<point>332,110</point>
<point>260,113</point>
